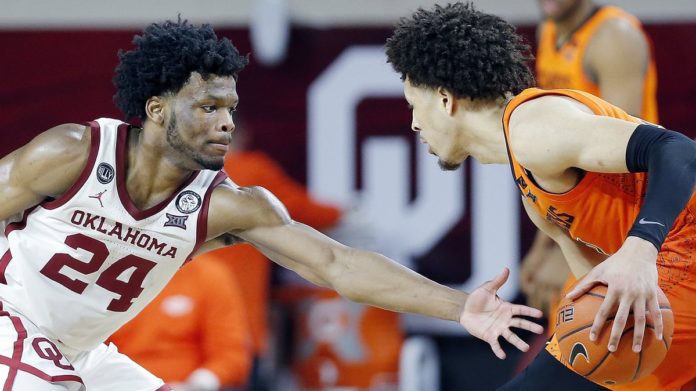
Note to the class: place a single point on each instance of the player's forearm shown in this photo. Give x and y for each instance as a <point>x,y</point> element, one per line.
<point>374,279</point>
<point>581,258</point>
<point>670,160</point>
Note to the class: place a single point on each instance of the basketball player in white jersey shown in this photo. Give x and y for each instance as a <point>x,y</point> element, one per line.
<point>98,217</point>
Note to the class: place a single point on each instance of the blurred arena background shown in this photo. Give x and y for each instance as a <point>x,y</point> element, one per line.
<point>323,102</point>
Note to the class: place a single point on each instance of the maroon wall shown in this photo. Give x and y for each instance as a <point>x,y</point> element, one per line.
<point>55,77</point>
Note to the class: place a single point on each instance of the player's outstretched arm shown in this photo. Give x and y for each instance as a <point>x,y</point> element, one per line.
<point>556,135</point>
<point>45,167</point>
<point>368,277</point>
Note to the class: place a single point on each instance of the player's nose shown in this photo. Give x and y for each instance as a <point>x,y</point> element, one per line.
<point>226,123</point>
<point>414,125</point>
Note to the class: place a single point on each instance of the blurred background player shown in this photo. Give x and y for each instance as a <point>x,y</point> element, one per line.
<point>195,334</point>
<point>602,50</point>
<point>247,166</point>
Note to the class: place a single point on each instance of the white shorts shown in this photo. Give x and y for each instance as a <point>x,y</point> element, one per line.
<point>31,361</point>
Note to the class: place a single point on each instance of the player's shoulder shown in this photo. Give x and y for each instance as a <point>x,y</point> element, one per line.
<point>55,158</point>
<point>234,209</point>
<point>541,111</point>
<point>541,125</point>
<point>62,138</point>
<point>622,32</point>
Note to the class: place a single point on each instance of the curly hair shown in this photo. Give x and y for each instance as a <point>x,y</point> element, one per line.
<point>164,58</point>
<point>469,53</point>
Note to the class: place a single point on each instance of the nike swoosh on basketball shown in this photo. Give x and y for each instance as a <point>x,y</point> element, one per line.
<point>644,221</point>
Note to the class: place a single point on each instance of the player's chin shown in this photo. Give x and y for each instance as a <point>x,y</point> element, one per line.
<point>215,163</point>
<point>448,166</point>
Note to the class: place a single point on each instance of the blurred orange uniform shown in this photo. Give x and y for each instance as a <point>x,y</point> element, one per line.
<point>598,212</point>
<point>338,343</point>
<point>354,345</point>
<point>563,67</point>
<point>197,321</point>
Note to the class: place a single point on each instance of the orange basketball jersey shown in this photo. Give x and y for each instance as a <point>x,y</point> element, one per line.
<point>563,66</point>
<point>600,210</point>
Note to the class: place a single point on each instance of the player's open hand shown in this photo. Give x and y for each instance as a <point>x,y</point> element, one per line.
<point>488,317</point>
<point>631,278</point>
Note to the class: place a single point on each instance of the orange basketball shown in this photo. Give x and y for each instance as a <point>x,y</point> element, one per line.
<point>592,359</point>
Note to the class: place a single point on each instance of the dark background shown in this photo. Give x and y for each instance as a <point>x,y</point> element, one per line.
<point>53,77</point>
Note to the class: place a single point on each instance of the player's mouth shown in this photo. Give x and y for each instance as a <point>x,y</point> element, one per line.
<point>220,147</point>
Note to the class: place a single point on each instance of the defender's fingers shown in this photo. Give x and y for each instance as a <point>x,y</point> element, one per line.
<point>523,310</point>
<point>498,281</point>
<point>497,350</point>
<point>515,340</point>
<point>528,325</point>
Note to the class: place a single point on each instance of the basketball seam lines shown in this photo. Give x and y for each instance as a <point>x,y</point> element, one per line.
<point>608,353</point>
<point>640,359</point>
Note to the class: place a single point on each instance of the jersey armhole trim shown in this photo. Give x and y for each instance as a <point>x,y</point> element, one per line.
<point>202,223</point>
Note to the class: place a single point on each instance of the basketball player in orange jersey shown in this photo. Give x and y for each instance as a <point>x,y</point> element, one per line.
<point>97,218</point>
<point>581,165</point>
<point>597,49</point>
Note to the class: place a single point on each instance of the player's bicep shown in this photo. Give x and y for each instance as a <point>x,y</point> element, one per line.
<point>45,167</point>
<point>554,134</point>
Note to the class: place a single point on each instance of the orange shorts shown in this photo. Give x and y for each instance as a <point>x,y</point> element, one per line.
<point>676,266</point>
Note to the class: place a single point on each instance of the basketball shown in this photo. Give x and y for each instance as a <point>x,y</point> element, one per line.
<point>592,359</point>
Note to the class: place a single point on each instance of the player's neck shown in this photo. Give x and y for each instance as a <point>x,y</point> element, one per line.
<point>485,137</point>
<point>572,22</point>
<point>151,176</point>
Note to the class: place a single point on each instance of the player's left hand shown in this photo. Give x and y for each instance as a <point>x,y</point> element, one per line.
<point>488,317</point>
<point>631,278</point>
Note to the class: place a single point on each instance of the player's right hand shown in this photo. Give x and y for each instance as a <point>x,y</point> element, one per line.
<point>632,289</point>
<point>488,317</point>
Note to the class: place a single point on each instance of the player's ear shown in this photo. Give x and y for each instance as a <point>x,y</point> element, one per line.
<point>447,100</point>
<point>154,108</point>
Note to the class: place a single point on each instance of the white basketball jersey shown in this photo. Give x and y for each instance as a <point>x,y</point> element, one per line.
<point>82,265</point>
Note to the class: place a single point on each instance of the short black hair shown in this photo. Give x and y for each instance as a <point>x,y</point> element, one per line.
<point>164,58</point>
<point>469,53</point>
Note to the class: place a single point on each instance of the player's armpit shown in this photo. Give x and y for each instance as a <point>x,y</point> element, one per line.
<point>45,167</point>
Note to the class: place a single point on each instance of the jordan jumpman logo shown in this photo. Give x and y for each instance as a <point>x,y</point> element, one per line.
<point>98,197</point>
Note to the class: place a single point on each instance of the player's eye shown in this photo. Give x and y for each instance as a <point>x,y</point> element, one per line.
<point>209,108</point>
